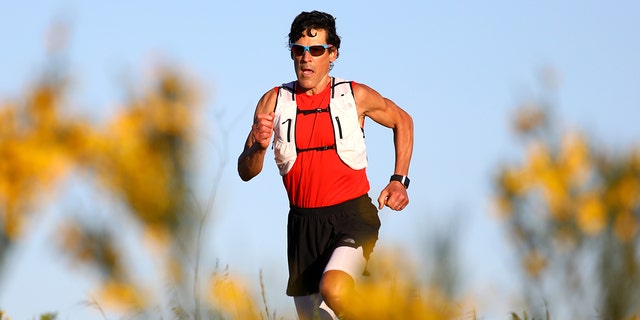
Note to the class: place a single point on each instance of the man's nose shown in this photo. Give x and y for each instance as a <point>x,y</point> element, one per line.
<point>306,55</point>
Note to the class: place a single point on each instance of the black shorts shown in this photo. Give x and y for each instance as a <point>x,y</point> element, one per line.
<point>313,234</point>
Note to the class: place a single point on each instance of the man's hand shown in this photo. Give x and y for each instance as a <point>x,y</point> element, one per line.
<point>393,196</point>
<point>262,129</point>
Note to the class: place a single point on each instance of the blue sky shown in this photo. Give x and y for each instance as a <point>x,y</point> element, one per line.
<point>459,68</point>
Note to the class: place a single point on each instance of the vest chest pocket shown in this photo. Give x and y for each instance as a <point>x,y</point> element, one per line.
<point>339,127</point>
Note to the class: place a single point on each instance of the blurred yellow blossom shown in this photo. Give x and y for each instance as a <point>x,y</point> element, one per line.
<point>555,192</point>
<point>538,158</point>
<point>393,291</point>
<point>574,159</point>
<point>33,155</point>
<point>542,172</point>
<point>121,296</point>
<point>514,180</point>
<point>535,263</point>
<point>141,155</point>
<point>232,297</point>
<point>590,200</point>
<point>402,300</point>
<point>627,192</point>
<point>591,216</point>
<point>157,238</point>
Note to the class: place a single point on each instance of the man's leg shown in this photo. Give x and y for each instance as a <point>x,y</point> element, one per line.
<point>313,308</point>
<point>338,281</point>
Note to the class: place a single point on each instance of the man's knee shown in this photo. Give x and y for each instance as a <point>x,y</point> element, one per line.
<point>338,281</point>
<point>336,289</point>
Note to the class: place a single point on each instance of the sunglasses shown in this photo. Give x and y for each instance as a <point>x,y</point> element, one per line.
<point>315,50</point>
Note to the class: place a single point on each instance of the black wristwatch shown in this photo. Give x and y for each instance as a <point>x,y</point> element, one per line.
<point>403,179</point>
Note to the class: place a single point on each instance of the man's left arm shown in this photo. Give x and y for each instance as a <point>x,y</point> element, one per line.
<point>385,112</point>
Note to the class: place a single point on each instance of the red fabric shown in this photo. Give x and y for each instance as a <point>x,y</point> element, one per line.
<point>320,178</point>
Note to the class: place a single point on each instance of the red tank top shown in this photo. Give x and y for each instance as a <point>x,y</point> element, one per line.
<point>320,178</point>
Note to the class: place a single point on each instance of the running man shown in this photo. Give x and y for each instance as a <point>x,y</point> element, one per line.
<point>317,126</point>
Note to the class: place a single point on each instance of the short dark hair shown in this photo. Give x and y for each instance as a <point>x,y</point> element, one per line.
<point>306,21</point>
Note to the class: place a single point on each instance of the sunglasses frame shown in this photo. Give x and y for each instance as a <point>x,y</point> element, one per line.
<point>308,49</point>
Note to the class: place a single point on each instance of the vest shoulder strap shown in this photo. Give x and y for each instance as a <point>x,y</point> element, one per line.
<point>287,91</point>
<point>340,87</point>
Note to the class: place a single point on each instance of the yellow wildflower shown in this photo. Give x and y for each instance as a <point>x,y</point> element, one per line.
<point>232,297</point>
<point>574,159</point>
<point>591,214</point>
<point>121,296</point>
<point>534,263</point>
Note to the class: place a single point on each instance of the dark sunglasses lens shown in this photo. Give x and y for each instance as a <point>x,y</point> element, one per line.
<point>316,50</point>
<point>297,50</point>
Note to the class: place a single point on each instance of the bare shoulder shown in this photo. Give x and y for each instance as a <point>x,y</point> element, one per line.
<point>363,91</point>
<point>267,102</point>
<point>382,110</point>
<point>367,99</point>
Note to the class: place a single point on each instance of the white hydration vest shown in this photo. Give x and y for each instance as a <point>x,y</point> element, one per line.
<point>349,136</point>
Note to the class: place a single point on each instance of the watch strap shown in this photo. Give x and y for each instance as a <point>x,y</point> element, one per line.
<point>402,179</point>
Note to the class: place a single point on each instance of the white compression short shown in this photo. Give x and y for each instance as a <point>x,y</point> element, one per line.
<point>347,259</point>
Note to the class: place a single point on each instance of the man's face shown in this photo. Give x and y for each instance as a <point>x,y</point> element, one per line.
<point>313,72</point>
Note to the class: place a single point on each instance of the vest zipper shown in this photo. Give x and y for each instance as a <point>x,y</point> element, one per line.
<point>339,127</point>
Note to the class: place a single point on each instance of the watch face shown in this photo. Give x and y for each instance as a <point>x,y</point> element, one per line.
<point>406,181</point>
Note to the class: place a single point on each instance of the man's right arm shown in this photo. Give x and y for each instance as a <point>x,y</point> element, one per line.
<point>251,159</point>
